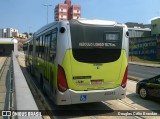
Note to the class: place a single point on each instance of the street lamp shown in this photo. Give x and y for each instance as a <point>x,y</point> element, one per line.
<point>47,5</point>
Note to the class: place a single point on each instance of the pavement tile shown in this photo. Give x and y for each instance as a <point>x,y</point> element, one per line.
<point>2,88</point>
<point>2,82</point>
<point>1,106</point>
<point>2,97</point>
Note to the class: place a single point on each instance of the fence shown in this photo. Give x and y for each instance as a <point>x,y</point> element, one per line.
<point>147,48</point>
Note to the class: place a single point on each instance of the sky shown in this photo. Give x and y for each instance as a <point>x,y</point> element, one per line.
<point>30,15</point>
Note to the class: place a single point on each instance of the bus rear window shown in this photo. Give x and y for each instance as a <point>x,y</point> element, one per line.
<point>95,43</point>
<point>111,36</point>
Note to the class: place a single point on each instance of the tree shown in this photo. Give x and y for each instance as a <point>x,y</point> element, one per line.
<point>30,34</point>
<point>27,35</point>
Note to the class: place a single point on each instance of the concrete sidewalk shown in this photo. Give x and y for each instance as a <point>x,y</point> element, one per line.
<point>146,64</point>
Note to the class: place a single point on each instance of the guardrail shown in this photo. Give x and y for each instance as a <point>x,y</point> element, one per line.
<point>21,102</point>
<point>9,90</point>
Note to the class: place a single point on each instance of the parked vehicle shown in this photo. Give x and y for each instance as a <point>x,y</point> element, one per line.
<point>149,87</point>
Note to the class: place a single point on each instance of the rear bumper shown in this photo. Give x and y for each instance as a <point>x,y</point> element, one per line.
<point>75,97</point>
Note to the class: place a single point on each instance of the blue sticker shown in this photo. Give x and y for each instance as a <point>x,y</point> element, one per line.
<point>83,97</point>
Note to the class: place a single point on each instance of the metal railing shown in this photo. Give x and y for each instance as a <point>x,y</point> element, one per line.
<point>20,102</point>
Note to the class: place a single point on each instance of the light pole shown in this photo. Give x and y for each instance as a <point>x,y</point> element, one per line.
<point>47,5</point>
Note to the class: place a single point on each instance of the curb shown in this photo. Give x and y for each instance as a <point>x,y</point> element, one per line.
<point>145,64</point>
<point>134,78</point>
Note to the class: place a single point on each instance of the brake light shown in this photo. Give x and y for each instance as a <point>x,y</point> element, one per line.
<point>62,82</point>
<point>124,81</point>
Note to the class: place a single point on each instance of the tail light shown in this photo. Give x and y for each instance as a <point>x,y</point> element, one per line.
<point>62,82</point>
<point>124,82</point>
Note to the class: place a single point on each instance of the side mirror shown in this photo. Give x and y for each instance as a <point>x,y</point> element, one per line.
<point>62,30</point>
<point>127,34</point>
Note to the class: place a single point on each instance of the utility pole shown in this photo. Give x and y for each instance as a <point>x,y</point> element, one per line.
<point>47,5</point>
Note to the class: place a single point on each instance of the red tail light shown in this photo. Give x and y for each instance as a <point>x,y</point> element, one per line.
<point>124,82</point>
<point>62,82</point>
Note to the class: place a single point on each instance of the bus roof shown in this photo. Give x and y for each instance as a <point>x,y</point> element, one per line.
<point>81,20</point>
<point>96,22</point>
<point>50,25</point>
<point>8,40</point>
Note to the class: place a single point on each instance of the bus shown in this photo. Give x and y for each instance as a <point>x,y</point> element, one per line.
<point>7,45</point>
<point>28,49</point>
<point>80,61</point>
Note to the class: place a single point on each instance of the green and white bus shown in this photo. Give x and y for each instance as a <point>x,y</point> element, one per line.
<point>80,61</point>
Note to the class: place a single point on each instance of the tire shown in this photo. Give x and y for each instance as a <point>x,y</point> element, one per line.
<point>143,93</point>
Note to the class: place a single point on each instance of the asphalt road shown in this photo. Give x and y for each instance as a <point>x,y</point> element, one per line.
<point>110,109</point>
<point>143,71</point>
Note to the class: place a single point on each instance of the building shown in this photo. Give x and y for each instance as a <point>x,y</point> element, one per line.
<point>155,32</point>
<point>139,32</point>
<point>10,32</point>
<point>147,26</point>
<point>3,33</point>
<point>74,12</point>
<point>144,42</point>
<point>19,35</point>
<point>61,12</point>
<point>134,24</point>
<point>66,11</point>
<point>155,27</point>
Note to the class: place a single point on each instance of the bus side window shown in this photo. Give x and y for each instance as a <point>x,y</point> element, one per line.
<point>48,47</point>
<point>53,45</point>
<point>37,46</point>
<point>47,41</point>
<point>43,51</point>
<point>40,47</point>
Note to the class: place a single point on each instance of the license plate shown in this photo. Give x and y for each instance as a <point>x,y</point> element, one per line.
<point>96,82</point>
<point>110,93</point>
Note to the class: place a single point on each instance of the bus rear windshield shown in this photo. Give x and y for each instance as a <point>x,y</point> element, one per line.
<point>95,43</point>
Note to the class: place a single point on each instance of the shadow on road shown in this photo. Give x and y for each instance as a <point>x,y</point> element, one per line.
<point>150,104</point>
<point>75,110</point>
<point>79,110</point>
